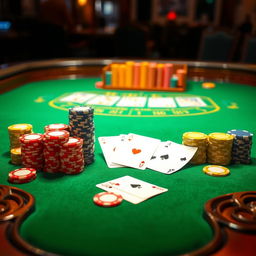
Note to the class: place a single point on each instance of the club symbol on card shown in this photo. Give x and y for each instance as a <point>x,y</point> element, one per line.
<point>164,157</point>
<point>183,159</point>
<point>136,151</point>
<point>136,186</point>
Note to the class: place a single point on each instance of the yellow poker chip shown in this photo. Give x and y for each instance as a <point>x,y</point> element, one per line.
<point>208,85</point>
<point>221,136</point>
<point>194,135</point>
<point>20,127</point>
<point>216,170</point>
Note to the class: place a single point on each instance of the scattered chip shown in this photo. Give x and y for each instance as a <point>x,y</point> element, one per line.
<point>208,85</point>
<point>216,170</point>
<point>107,199</point>
<point>22,175</point>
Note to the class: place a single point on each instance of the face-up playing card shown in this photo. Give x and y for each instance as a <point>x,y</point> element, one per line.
<point>132,101</point>
<point>170,157</point>
<point>161,102</point>
<point>108,146</point>
<point>105,100</point>
<point>78,97</point>
<point>131,189</point>
<point>135,151</point>
<point>190,102</point>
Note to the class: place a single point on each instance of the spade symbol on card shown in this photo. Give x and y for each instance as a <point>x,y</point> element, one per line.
<point>136,151</point>
<point>183,159</point>
<point>136,186</point>
<point>164,157</point>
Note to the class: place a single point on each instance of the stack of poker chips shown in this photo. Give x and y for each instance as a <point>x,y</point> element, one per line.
<point>22,175</point>
<point>241,150</point>
<point>82,126</point>
<point>219,148</point>
<point>15,131</point>
<point>199,140</point>
<point>71,156</point>
<point>53,142</point>
<point>32,150</point>
<point>56,127</point>
<point>16,156</point>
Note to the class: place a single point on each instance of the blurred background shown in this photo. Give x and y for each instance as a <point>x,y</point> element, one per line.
<point>210,30</point>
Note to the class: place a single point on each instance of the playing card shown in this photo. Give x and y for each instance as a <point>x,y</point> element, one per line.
<point>108,145</point>
<point>161,102</point>
<point>190,102</point>
<point>170,157</point>
<point>78,97</point>
<point>105,100</point>
<point>132,189</point>
<point>132,101</point>
<point>135,151</point>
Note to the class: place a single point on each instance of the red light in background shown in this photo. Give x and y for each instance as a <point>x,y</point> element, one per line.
<point>171,15</point>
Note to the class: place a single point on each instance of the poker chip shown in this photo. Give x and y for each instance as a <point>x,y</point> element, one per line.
<point>199,140</point>
<point>242,144</point>
<point>99,84</point>
<point>216,170</point>
<point>107,199</point>
<point>208,85</point>
<point>32,150</point>
<point>22,175</point>
<point>82,126</point>
<point>219,148</point>
<point>16,156</point>
<point>15,131</point>
<point>53,141</point>
<point>56,127</point>
<point>71,156</point>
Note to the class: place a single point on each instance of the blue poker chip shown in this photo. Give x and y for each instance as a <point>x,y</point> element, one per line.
<point>241,134</point>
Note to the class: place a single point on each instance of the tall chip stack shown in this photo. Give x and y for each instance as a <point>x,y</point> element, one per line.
<point>241,150</point>
<point>82,126</point>
<point>71,156</point>
<point>53,142</point>
<point>199,140</point>
<point>15,131</point>
<point>219,148</point>
<point>32,150</point>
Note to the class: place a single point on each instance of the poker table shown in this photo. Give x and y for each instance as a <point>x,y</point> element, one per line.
<point>198,215</point>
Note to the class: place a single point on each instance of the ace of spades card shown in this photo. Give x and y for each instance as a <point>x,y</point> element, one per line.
<point>131,189</point>
<point>170,157</point>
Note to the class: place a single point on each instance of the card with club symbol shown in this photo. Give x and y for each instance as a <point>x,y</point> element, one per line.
<point>131,189</point>
<point>135,151</point>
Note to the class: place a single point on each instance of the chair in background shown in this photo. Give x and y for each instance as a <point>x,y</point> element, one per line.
<point>249,50</point>
<point>217,46</point>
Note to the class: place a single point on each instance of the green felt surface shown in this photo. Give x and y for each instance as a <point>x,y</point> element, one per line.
<point>67,222</point>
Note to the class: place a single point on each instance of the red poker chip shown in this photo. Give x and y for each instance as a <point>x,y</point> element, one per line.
<point>18,181</point>
<point>31,138</point>
<point>56,135</point>
<point>22,174</point>
<point>107,199</point>
<point>73,142</point>
<point>56,127</point>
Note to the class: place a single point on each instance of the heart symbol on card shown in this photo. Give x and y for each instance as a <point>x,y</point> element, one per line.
<point>136,151</point>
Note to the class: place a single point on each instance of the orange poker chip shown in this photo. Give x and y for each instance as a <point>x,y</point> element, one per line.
<point>107,199</point>
<point>208,85</point>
